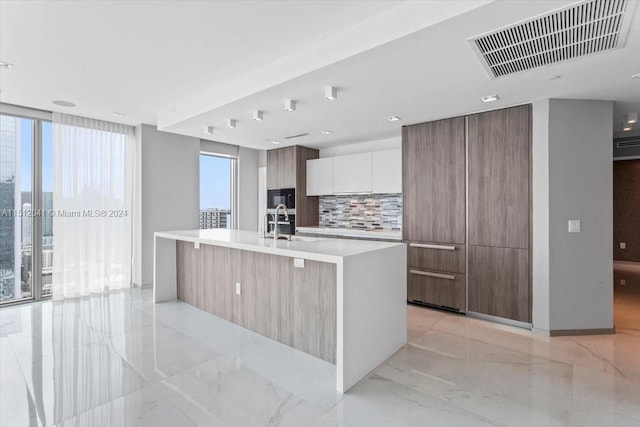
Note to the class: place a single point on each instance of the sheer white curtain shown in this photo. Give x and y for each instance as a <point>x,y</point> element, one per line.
<point>93,168</point>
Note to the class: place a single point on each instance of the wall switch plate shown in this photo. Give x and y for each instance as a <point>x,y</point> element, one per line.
<point>238,289</point>
<point>298,262</point>
<point>623,282</point>
<point>196,245</point>
<point>623,245</point>
<point>574,226</point>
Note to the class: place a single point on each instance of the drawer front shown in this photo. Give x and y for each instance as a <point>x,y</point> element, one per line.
<point>437,288</point>
<point>436,256</point>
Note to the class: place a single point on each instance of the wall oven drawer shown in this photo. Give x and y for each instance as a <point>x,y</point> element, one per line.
<point>436,256</point>
<point>446,290</point>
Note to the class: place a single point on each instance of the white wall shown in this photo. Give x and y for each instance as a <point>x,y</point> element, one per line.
<point>169,190</point>
<point>575,183</point>
<point>362,147</point>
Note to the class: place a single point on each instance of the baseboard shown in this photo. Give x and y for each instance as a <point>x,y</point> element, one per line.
<point>143,286</point>
<point>576,332</point>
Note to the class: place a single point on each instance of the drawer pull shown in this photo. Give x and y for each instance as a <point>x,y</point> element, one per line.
<point>426,246</point>
<point>438,275</point>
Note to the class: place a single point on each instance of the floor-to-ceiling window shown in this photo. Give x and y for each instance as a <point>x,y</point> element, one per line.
<point>26,234</point>
<point>217,183</point>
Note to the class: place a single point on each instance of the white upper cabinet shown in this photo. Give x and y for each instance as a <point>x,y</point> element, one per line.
<point>320,176</point>
<point>386,171</point>
<point>352,173</point>
<point>377,172</point>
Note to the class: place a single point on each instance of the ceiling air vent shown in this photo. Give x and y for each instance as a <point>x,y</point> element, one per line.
<point>579,30</point>
<point>296,136</point>
<point>628,142</point>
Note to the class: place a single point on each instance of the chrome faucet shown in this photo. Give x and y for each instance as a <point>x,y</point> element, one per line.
<point>276,232</point>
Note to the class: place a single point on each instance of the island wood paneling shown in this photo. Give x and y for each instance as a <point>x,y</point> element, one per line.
<point>433,181</point>
<point>499,282</point>
<point>499,144</point>
<point>433,258</point>
<point>295,306</point>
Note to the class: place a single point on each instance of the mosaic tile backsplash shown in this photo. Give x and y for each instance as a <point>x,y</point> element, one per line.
<point>362,211</point>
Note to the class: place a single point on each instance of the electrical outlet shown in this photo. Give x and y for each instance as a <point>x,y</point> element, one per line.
<point>574,226</point>
<point>238,289</point>
<point>298,262</point>
<point>623,245</point>
<point>623,282</point>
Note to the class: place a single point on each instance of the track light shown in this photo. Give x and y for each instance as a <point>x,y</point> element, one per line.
<point>257,115</point>
<point>290,105</point>
<point>330,93</point>
<point>208,130</point>
<point>231,123</point>
<point>631,118</point>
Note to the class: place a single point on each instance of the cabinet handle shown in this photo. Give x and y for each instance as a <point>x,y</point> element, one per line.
<point>438,275</point>
<point>426,246</point>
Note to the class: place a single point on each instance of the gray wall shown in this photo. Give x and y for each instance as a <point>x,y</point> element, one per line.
<point>247,189</point>
<point>572,179</point>
<point>168,190</point>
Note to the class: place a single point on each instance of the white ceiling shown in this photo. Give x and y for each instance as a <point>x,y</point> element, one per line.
<point>195,64</point>
<point>141,57</point>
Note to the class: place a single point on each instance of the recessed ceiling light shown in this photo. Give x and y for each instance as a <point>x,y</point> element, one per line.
<point>290,105</point>
<point>326,132</point>
<point>394,118</point>
<point>7,65</point>
<point>631,117</point>
<point>231,123</point>
<point>118,114</point>
<point>208,130</point>
<point>636,76</point>
<point>257,115</point>
<point>626,128</point>
<point>330,93</point>
<point>490,98</point>
<point>62,103</point>
<point>275,142</point>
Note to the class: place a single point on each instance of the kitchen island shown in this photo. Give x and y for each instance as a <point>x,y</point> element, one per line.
<point>340,300</point>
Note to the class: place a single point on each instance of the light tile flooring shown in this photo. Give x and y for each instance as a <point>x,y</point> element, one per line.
<point>120,360</point>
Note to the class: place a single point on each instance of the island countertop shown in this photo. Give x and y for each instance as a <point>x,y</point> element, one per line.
<point>312,248</point>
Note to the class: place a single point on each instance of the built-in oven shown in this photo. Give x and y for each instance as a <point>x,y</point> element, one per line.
<point>287,197</point>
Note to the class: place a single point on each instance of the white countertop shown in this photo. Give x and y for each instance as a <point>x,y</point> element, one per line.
<point>312,248</point>
<point>348,232</point>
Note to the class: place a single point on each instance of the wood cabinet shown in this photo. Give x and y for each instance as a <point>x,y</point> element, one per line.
<point>499,283</point>
<point>352,173</point>
<point>487,164</point>
<point>287,168</point>
<point>320,176</point>
<point>386,171</point>
<point>499,159</point>
<point>442,289</point>
<point>433,181</point>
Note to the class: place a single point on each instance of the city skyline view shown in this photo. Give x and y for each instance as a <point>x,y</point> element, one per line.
<point>215,182</point>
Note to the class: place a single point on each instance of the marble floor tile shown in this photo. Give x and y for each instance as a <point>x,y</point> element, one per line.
<point>120,360</point>
<point>142,408</point>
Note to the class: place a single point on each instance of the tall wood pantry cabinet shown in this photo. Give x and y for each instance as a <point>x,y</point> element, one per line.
<point>287,168</point>
<point>466,212</point>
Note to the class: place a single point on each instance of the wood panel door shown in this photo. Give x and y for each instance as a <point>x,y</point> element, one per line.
<point>433,181</point>
<point>281,168</point>
<point>499,282</point>
<point>499,145</point>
